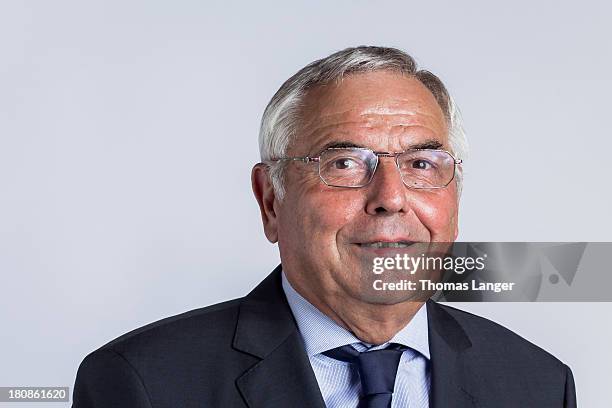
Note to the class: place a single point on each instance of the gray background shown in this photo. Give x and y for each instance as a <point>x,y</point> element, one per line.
<point>128,130</point>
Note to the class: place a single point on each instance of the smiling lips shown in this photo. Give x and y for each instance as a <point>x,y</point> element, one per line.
<point>382,244</point>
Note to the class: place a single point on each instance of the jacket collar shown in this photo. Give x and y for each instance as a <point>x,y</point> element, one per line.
<point>266,329</point>
<point>453,382</point>
<point>265,320</point>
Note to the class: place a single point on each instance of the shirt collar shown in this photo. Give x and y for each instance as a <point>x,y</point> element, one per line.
<point>321,333</point>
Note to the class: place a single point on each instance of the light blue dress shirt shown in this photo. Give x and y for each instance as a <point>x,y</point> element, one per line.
<point>339,381</point>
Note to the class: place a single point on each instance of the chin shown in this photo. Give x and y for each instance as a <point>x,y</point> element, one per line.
<point>390,298</point>
<point>380,290</point>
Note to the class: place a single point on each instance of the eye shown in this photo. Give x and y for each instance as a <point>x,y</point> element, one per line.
<point>421,164</point>
<point>344,164</point>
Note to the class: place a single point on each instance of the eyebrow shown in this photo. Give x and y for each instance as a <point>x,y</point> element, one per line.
<point>428,144</point>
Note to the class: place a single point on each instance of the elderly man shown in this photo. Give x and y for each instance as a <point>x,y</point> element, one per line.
<point>361,157</point>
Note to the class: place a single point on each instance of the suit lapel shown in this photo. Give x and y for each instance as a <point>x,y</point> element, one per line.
<point>266,329</point>
<point>453,383</point>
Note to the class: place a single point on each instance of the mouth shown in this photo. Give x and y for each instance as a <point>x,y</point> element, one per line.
<point>383,244</point>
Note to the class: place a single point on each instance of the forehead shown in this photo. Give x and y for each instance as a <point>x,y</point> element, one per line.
<point>384,110</point>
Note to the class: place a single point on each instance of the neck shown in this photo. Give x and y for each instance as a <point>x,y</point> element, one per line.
<point>371,323</point>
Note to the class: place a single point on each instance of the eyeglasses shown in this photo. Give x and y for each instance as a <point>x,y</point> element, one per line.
<point>354,167</point>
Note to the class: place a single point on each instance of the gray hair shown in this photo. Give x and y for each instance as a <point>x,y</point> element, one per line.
<point>280,120</point>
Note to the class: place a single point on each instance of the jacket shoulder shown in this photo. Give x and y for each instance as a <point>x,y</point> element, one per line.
<point>212,326</point>
<point>157,364</point>
<point>491,338</point>
<point>511,370</point>
<point>215,320</point>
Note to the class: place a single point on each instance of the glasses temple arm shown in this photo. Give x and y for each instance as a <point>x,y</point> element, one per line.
<point>305,159</point>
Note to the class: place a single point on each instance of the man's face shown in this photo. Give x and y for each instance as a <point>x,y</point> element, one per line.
<point>323,232</point>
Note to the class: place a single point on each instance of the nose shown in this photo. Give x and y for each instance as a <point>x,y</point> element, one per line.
<point>386,191</point>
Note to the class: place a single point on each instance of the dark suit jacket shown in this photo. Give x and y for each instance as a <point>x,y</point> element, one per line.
<point>249,353</point>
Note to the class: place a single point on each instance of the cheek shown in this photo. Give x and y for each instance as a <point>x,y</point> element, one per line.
<point>438,213</point>
<point>317,213</point>
<point>325,212</point>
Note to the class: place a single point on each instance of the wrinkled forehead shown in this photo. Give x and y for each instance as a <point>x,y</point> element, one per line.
<point>382,106</point>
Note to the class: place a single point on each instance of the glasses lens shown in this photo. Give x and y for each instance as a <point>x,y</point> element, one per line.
<point>426,168</point>
<point>350,167</point>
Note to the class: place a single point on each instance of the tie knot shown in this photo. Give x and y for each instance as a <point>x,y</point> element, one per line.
<point>377,369</point>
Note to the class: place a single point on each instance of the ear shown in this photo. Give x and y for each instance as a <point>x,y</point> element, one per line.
<point>264,194</point>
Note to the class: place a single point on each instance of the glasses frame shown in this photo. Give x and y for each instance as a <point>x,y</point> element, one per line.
<point>395,155</point>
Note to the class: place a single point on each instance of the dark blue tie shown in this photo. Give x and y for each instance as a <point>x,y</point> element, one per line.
<point>377,370</point>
